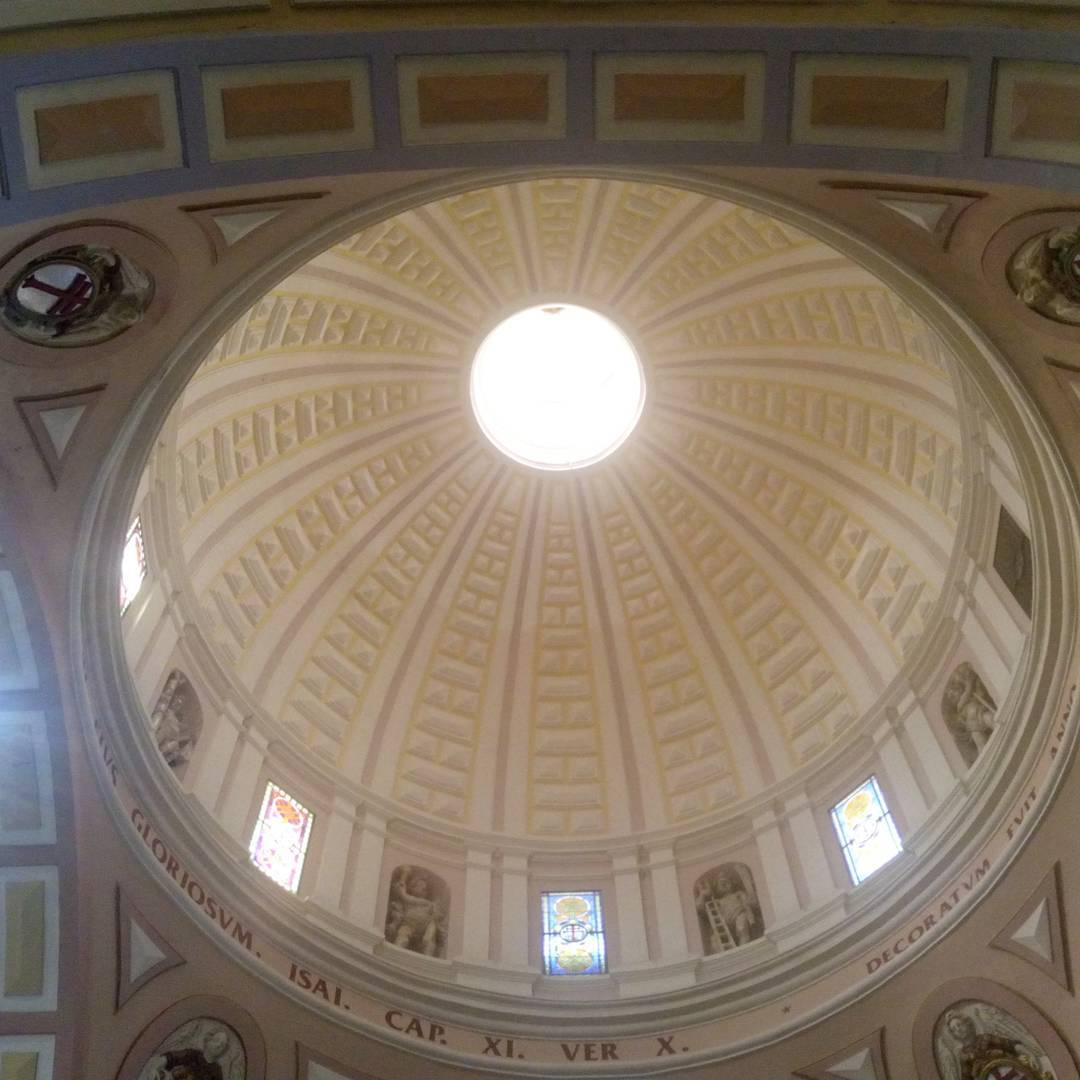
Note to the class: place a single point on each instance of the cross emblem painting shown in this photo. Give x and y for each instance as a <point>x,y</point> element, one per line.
<point>75,296</point>
<point>56,290</point>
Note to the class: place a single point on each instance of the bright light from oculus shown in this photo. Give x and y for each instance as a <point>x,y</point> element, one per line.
<point>557,386</point>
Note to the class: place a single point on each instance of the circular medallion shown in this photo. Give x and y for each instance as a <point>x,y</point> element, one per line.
<point>75,296</point>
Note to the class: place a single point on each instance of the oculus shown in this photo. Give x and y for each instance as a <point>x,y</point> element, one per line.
<point>75,296</point>
<point>557,387</point>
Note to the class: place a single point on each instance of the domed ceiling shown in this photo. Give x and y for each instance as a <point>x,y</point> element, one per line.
<point>634,645</point>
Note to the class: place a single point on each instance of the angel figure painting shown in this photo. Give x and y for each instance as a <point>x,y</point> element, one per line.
<point>202,1049</point>
<point>728,910</point>
<point>969,711</point>
<point>974,1040</point>
<point>416,917</point>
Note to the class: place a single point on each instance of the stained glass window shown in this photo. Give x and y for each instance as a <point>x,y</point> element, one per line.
<point>132,565</point>
<point>573,934</point>
<point>280,839</point>
<point>868,836</point>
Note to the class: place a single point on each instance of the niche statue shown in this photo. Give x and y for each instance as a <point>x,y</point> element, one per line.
<point>974,1040</point>
<point>728,910</point>
<point>203,1049</point>
<point>417,912</point>
<point>176,720</point>
<point>969,711</point>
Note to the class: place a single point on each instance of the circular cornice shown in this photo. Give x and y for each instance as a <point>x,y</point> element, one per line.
<point>1039,745</point>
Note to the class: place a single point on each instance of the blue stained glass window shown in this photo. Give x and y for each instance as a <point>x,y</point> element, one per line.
<point>868,836</point>
<point>573,934</point>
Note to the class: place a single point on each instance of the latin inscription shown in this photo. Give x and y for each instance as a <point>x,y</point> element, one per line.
<point>590,1051</point>
<point>319,986</point>
<point>414,1026</point>
<point>213,909</point>
<point>519,1047</point>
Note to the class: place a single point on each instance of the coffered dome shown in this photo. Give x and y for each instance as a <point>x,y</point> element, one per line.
<point>643,643</point>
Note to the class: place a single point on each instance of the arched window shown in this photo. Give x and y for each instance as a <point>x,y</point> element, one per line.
<point>176,720</point>
<point>969,712</point>
<point>728,910</point>
<point>417,914</point>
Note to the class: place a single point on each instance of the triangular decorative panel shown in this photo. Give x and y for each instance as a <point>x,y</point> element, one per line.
<point>1036,933</point>
<point>227,224</point>
<point>142,953</point>
<point>927,215</point>
<point>312,1065</point>
<point>60,425</point>
<point>934,213</point>
<point>863,1059</point>
<point>321,1072</point>
<point>53,421</point>
<point>235,226</point>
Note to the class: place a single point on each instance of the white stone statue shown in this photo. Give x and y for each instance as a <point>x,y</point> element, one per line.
<point>417,914</point>
<point>970,713</point>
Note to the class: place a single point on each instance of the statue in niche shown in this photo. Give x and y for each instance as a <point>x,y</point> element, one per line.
<point>202,1049</point>
<point>728,908</point>
<point>974,1040</point>
<point>969,711</point>
<point>416,918</point>
<point>176,720</point>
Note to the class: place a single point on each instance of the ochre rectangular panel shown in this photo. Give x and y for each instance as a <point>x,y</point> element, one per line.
<point>654,95</point>
<point>483,99</point>
<point>892,102</point>
<point>18,1065</point>
<point>89,129</point>
<point>294,108</point>
<point>24,941</point>
<point>1045,110</point>
<point>20,799</point>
